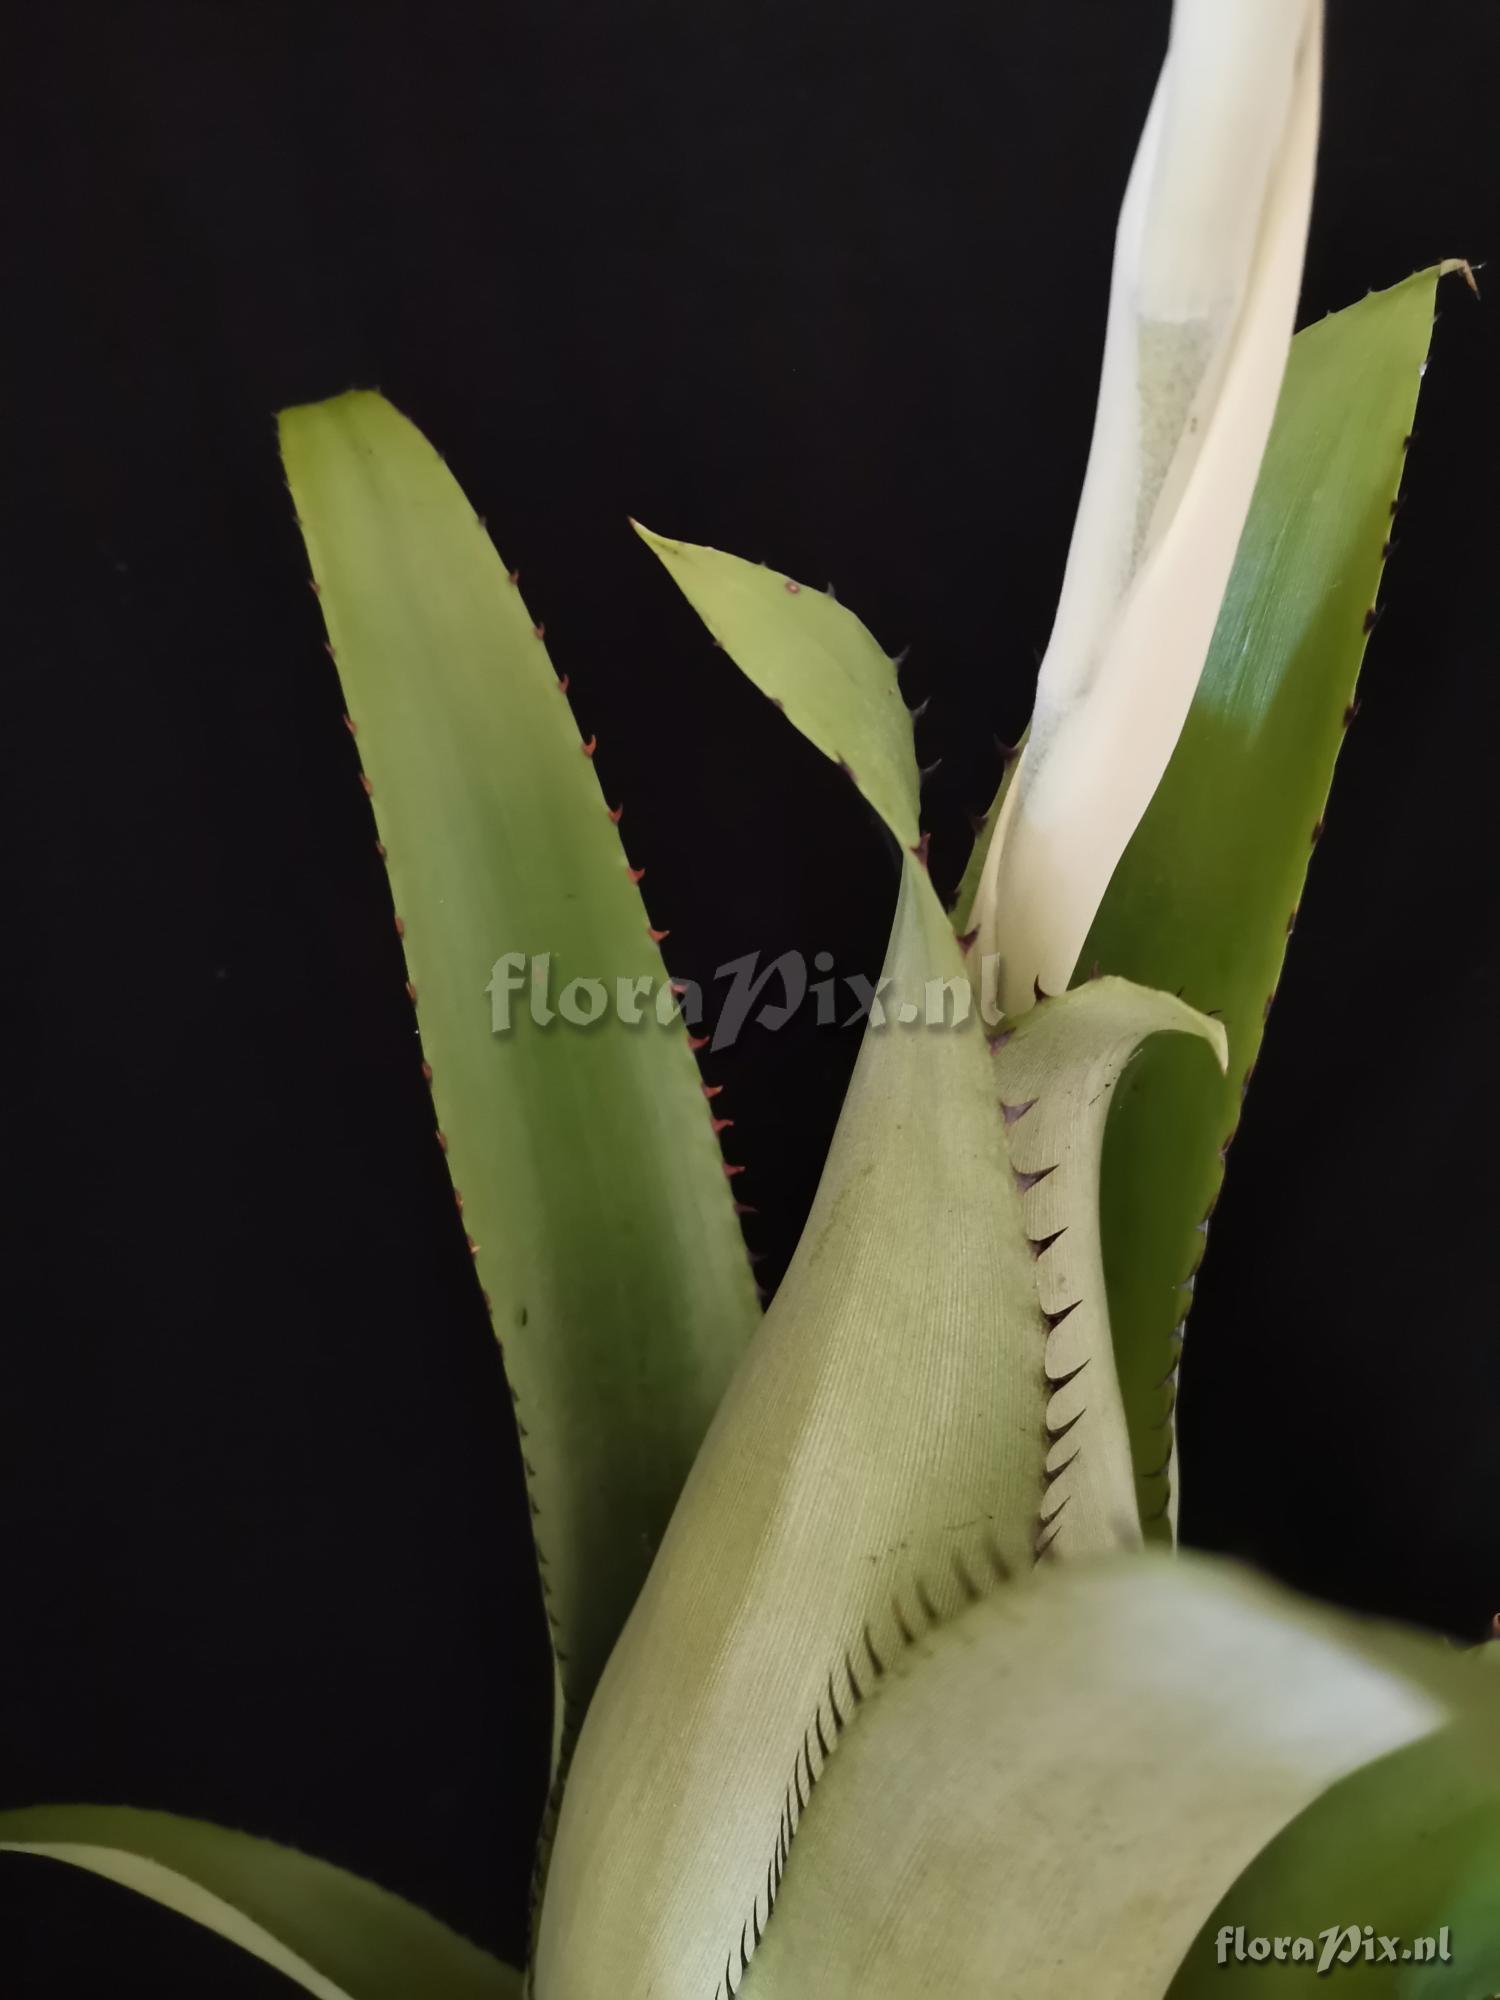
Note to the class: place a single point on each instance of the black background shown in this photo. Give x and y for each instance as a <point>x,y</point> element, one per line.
<point>815,281</point>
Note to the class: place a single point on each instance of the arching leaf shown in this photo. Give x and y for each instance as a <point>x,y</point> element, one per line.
<point>328,1931</point>
<point>592,1184</point>
<point>1047,1796</point>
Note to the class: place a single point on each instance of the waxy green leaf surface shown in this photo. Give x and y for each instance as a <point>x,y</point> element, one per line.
<point>881,1456</point>
<point>816,661</point>
<point>876,1458</point>
<point>1047,1796</point>
<point>592,1183</point>
<point>328,1931</point>
<point>1410,1846</point>
<point>1203,901</point>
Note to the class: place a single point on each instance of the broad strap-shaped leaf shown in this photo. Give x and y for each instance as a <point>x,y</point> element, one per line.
<point>1045,1797</point>
<point>1409,1845</point>
<point>1204,899</point>
<point>1058,1066</point>
<point>330,1932</point>
<point>591,1180</point>
<point>879,1460</point>
<point>816,661</point>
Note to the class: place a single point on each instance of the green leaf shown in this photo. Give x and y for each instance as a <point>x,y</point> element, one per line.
<point>591,1179</point>
<point>880,1457</point>
<point>330,1932</point>
<point>876,1460</point>
<point>816,661</point>
<point>1409,1845</point>
<point>1046,1796</point>
<point>1057,1067</point>
<point>1203,900</point>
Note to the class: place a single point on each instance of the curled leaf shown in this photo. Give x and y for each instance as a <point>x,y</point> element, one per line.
<point>331,1933</point>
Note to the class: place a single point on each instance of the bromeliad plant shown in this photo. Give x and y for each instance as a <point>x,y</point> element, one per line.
<point>865,1682</point>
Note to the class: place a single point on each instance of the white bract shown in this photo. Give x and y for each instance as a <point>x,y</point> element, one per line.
<point>1208,263</point>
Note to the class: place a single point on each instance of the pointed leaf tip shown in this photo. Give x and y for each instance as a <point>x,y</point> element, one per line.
<point>634,1276</point>
<point>815,661</point>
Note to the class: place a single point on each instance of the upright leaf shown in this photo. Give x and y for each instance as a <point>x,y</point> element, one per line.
<point>1204,898</point>
<point>328,1931</point>
<point>877,1458</point>
<point>591,1181</point>
<point>1047,1796</point>
<point>880,1457</point>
